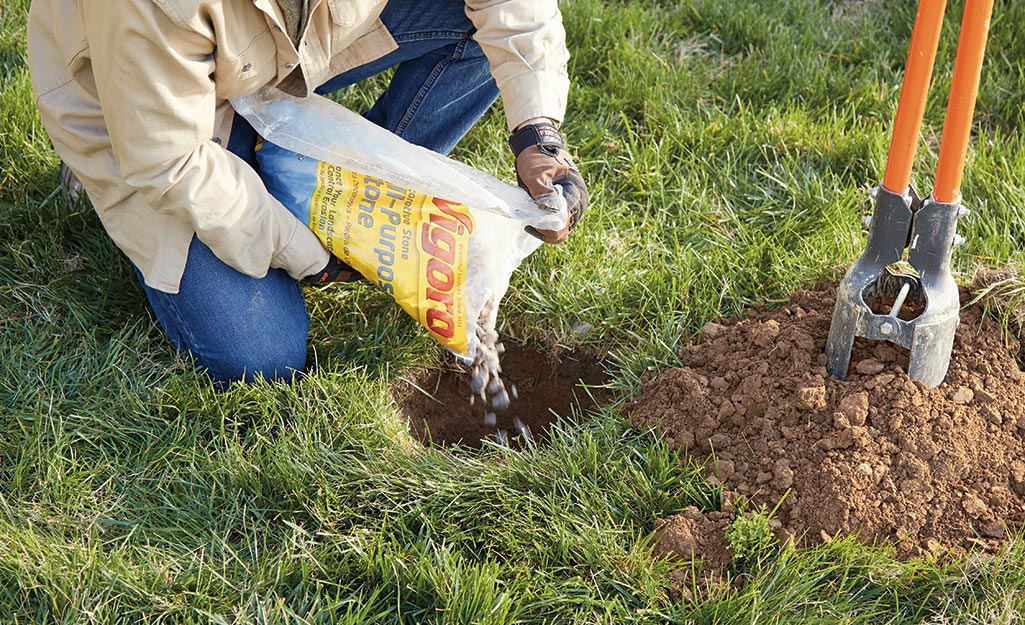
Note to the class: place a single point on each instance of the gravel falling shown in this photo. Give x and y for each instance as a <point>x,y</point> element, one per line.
<point>486,375</point>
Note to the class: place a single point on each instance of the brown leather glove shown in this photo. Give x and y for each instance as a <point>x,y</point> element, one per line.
<point>541,163</point>
<point>334,271</point>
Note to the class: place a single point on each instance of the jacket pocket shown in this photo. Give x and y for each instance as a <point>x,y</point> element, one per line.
<point>245,72</point>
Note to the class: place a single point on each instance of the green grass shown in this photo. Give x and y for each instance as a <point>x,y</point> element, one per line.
<point>727,146</point>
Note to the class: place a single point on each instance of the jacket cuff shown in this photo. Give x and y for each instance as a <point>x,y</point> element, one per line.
<point>302,254</point>
<point>534,94</point>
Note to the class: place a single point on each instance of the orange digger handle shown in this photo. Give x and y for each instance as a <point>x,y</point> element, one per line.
<point>964,88</point>
<point>925,40</point>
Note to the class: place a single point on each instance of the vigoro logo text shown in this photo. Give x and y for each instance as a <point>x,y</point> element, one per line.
<point>438,237</point>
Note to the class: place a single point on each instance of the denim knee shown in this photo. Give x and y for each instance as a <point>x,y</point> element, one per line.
<point>234,326</point>
<point>275,358</point>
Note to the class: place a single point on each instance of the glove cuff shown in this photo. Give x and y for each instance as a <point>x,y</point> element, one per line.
<point>334,271</point>
<point>546,136</point>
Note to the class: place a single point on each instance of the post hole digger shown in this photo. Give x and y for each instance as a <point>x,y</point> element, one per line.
<point>923,227</point>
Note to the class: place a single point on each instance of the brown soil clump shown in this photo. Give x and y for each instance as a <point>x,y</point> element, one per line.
<point>877,455</point>
<point>437,403</point>
<point>697,536</point>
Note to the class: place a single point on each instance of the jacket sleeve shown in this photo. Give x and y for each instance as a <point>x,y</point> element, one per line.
<point>525,43</point>
<point>154,81</point>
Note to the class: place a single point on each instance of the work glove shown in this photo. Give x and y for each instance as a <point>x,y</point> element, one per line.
<point>334,271</point>
<point>542,162</point>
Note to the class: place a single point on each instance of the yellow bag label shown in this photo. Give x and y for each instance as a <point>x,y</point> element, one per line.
<point>414,246</point>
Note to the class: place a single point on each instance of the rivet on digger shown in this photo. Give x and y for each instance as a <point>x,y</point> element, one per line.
<point>964,211</point>
<point>866,221</point>
<point>886,328</point>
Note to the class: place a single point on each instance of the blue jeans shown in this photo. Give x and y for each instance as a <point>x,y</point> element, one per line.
<point>240,328</point>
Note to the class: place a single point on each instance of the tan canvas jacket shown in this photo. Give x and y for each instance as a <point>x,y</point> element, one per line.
<point>134,96</point>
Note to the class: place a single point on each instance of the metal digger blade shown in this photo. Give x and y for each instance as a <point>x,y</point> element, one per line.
<point>928,229</point>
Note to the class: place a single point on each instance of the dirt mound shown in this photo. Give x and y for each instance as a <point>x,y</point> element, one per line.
<point>437,403</point>
<point>876,455</point>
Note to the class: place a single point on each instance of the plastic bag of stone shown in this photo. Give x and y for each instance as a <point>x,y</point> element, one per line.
<point>440,237</point>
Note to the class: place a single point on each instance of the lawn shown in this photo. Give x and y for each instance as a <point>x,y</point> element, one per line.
<point>728,147</point>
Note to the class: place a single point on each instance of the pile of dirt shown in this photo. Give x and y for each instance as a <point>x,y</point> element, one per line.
<point>877,455</point>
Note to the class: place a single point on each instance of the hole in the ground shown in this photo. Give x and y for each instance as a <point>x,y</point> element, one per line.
<point>437,402</point>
